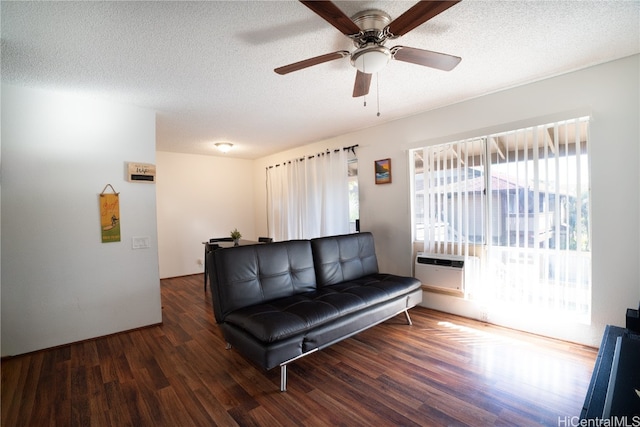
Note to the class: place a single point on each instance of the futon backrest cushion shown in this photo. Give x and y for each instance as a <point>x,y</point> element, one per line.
<point>345,257</point>
<point>249,275</point>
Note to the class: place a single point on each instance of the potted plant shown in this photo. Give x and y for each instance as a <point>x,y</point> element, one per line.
<point>236,236</point>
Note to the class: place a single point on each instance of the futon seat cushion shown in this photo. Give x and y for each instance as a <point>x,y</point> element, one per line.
<point>285,317</point>
<point>377,287</point>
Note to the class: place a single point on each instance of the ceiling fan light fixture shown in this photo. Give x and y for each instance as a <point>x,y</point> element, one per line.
<point>224,147</point>
<point>371,59</point>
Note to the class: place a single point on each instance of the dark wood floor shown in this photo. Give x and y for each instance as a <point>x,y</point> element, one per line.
<point>443,370</point>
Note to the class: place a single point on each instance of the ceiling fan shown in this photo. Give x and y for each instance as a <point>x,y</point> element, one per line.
<point>369,30</point>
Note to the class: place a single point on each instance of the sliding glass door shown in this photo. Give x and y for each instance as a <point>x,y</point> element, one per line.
<point>519,201</point>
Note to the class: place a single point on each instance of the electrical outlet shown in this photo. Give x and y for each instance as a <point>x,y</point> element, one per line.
<point>484,316</point>
<point>199,262</point>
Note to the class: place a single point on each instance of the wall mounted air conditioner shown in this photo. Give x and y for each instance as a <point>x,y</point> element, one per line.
<point>440,272</point>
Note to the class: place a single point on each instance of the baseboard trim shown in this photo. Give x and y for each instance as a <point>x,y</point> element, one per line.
<point>56,347</point>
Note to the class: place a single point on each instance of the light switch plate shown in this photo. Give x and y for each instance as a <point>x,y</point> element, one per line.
<point>140,242</point>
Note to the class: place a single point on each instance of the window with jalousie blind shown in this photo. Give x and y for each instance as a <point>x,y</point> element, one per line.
<point>518,200</point>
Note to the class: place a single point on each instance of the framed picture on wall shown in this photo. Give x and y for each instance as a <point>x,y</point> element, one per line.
<point>383,171</point>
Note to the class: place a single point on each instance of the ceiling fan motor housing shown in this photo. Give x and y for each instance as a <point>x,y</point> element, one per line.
<point>373,24</point>
<point>371,56</point>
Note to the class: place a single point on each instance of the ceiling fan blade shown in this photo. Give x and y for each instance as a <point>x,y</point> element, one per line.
<point>286,69</point>
<point>363,82</point>
<point>427,58</point>
<point>417,15</point>
<point>334,16</point>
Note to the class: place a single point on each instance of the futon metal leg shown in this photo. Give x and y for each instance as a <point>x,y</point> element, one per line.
<point>283,377</point>
<point>283,368</point>
<point>406,313</point>
<point>228,346</point>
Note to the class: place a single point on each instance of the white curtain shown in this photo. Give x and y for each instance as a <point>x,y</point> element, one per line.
<point>308,197</point>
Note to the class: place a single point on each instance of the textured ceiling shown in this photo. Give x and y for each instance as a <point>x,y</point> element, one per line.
<point>207,67</point>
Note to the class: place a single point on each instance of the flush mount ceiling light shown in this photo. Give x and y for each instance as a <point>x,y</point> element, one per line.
<point>224,146</point>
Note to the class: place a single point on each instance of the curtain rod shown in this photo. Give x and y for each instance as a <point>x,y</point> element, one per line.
<point>328,151</point>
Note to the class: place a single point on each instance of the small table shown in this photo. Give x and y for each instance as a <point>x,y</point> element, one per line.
<point>214,246</point>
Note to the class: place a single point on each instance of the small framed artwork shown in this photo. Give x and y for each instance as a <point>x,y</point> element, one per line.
<point>383,171</point>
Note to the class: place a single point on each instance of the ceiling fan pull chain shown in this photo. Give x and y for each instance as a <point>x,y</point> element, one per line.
<point>378,92</point>
<point>363,70</point>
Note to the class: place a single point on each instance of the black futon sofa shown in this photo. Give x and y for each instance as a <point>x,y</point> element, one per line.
<point>278,302</point>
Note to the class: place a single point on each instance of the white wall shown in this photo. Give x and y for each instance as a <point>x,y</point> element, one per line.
<point>60,284</point>
<point>610,92</point>
<point>200,197</point>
